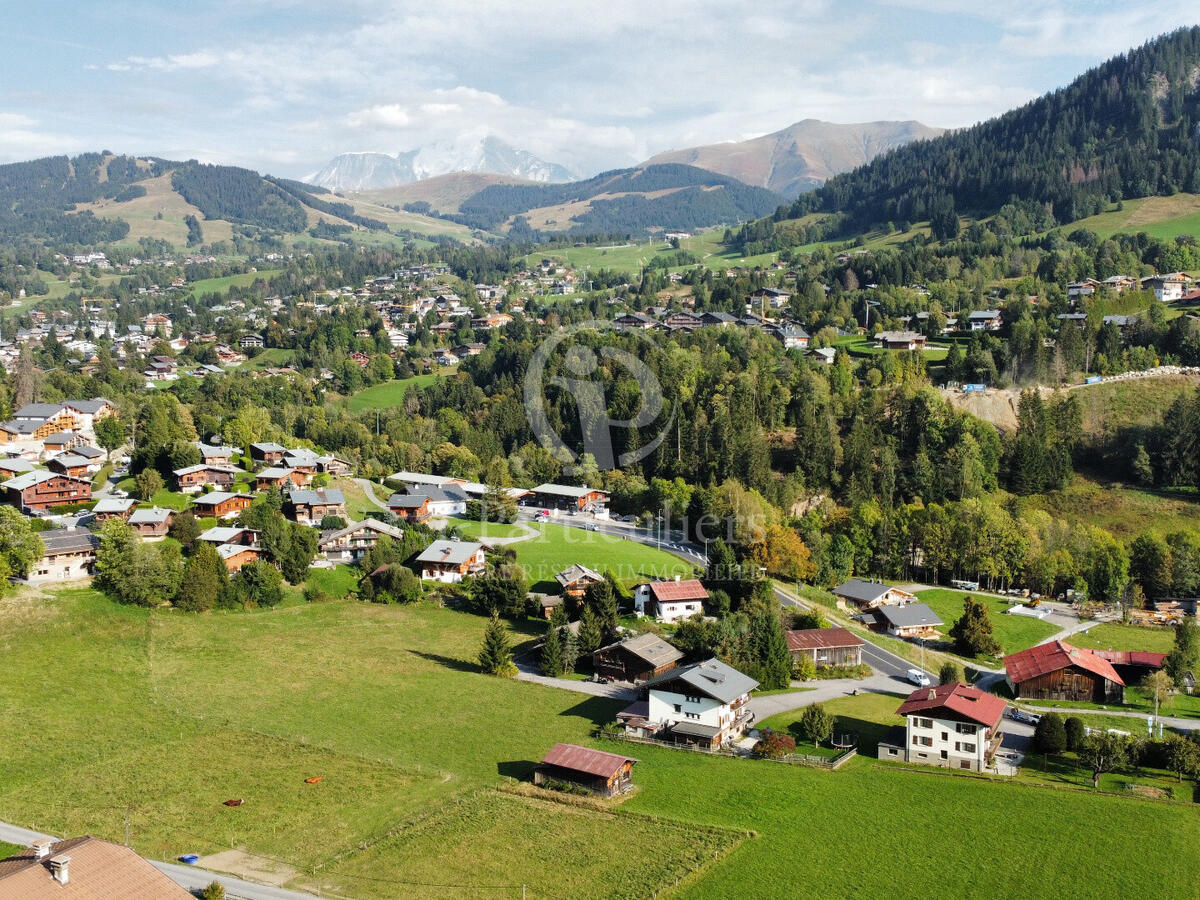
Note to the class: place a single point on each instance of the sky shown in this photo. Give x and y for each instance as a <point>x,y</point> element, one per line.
<point>282,86</point>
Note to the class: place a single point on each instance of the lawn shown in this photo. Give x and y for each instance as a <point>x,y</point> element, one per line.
<point>161,716</point>
<point>868,715</point>
<point>337,582</point>
<point>1110,636</point>
<point>224,283</point>
<point>7,850</point>
<point>474,530</point>
<point>1125,511</point>
<point>1014,633</point>
<point>1160,217</point>
<point>388,394</point>
<point>272,357</point>
<point>358,505</point>
<point>560,547</point>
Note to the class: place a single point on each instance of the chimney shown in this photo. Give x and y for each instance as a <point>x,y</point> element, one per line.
<point>58,868</point>
<point>41,849</point>
<point>677,577</point>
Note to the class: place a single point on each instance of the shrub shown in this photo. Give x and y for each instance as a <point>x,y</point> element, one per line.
<point>1076,732</point>
<point>803,668</point>
<point>773,745</point>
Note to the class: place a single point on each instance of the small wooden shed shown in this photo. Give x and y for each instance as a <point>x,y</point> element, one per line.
<point>605,774</point>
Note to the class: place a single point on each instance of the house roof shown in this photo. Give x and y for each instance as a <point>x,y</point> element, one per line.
<point>207,450</point>
<point>98,870</point>
<point>565,490</point>
<point>577,573</point>
<point>268,447</point>
<point>674,591</point>
<point>821,639</point>
<point>712,678</point>
<point>863,591</point>
<point>60,437</point>
<point>584,759</point>
<point>317,498</point>
<point>651,648</point>
<point>68,540</point>
<point>1133,658</point>
<point>909,615</point>
<point>984,314</point>
<point>113,505</point>
<point>1055,655</point>
<point>274,472</point>
<point>88,407</point>
<point>38,411</point>
<point>450,552</point>
<point>205,467</point>
<point>216,498</point>
<point>16,464</point>
<point>365,525</point>
<point>88,451</point>
<point>960,699</point>
<point>37,476</point>
<point>223,534</point>
<point>152,516</point>
<point>407,501</point>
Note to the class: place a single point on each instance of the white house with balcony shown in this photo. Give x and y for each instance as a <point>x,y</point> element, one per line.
<point>704,704</point>
<point>952,725</point>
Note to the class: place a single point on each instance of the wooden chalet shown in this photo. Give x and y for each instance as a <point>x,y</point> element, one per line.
<point>862,594</point>
<point>152,524</point>
<point>351,543</point>
<point>69,464</point>
<point>280,479</point>
<point>41,490</point>
<point>411,508</point>
<point>267,452</point>
<point>450,561</point>
<point>576,580</point>
<point>193,479</point>
<point>113,508</point>
<point>564,496</point>
<point>310,507</point>
<point>221,504</point>
<point>636,659</point>
<point>605,774</point>
<point>1059,671</point>
<point>826,646</point>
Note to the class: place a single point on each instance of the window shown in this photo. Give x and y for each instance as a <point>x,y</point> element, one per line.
<point>678,708</point>
<point>968,748</point>
<point>964,728</point>
<point>925,723</point>
<point>690,699</point>
<point>945,755</point>
<point>924,741</point>
<point>692,715</point>
<point>945,737</point>
<point>964,764</point>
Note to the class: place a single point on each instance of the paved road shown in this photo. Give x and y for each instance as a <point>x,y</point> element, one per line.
<point>189,878</point>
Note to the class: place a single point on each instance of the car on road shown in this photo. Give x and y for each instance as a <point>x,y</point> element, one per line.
<point>919,678</point>
<point>593,527</point>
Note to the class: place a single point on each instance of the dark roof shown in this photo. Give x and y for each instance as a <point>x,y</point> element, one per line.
<point>821,639</point>
<point>960,699</point>
<point>908,615</point>
<point>695,729</point>
<point>1051,657</point>
<point>863,591</point>
<point>68,540</point>
<point>584,759</point>
<point>317,498</point>
<point>650,648</point>
<point>577,573</point>
<point>712,678</point>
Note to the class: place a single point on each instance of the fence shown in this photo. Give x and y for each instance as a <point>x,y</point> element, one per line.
<point>794,759</point>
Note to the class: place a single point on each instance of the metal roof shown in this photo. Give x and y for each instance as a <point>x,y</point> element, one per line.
<point>821,639</point>
<point>1055,655</point>
<point>712,678</point>
<point>674,591</point>
<point>450,552</point>
<point>68,540</point>
<point>584,759</point>
<point>965,701</point>
<point>577,573</point>
<point>909,615</point>
<point>651,648</point>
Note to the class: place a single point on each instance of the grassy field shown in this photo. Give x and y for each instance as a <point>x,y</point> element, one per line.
<point>560,547</point>
<point>862,346</point>
<point>1110,636</point>
<point>162,716</point>
<point>1013,632</point>
<point>358,506</point>
<point>1125,511</point>
<point>870,716</point>
<point>159,214</point>
<point>1142,401</point>
<point>1160,217</point>
<point>7,850</point>
<point>223,284</point>
<point>269,358</point>
<point>388,394</point>
<point>474,530</point>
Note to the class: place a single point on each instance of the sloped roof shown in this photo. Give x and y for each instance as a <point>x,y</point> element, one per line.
<point>577,573</point>
<point>909,615</point>
<point>960,699</point>
<point>821,639</point>
<point>213,498</point>
<point>29,479</point>
<point>674,591</point>
<point>450,552</point>
<point>317,498</point>
<point>864,591</point>
<point>152,516</point>
<point>223,534</point>
<point>98,870</point>
<point>651,648</point>
<point>375,525</point>
<point>113,504</point>
<point>68,540</point>
<point>1051,657</point>
<point>1133,658</point>
<point>712,678</point>
<point>584,759</point>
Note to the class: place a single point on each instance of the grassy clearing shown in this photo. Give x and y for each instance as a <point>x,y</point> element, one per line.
<point>1160,217</point>
<point>560,547</point>
<point>7,850</point>
<point>358,504</point>
<point>224,283</point>
<point>270,358</point>
<point>1120,404</point>
<point>1014,633</point>
<point>474,530</point>
<point>870,716</point>
<point>338,582</point>
<point>388,394</point>
<point>1110,636</point>
<point>475,840</point>
<point>1125,511</point>
<point>862,346</point>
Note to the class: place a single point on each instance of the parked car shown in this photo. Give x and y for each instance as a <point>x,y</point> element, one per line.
<point>919,678</point>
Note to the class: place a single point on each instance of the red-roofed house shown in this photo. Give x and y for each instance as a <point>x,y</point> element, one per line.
<point>951,725</point>
<point>826,646</point>
<point>670,601</point>
<point>1058,671</point>
<point>601,773</point>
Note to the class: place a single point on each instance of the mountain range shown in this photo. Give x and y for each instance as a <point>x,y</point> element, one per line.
<point>490,154</point>
<point>802,156</point>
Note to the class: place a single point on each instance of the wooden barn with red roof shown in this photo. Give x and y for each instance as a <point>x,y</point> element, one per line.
<point>607,774</point>
<point>1058,671</point>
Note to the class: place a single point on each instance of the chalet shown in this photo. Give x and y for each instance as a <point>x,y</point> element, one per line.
<point>491,320</point>
<point>310,507</point>
<point>670,601</point>
<point>1085,288</point>
<point>152,524</point>
<point>411,508</point>
<point>773,297</point>
<point>450,561</point>
<point>70,553</point>
<point>792,337</point>
<point>221,504</point>
<point>1079,320</point>
<point>1120,322</point>
<point>351,543</point>
<point>14,466</point>
<point>565,496</point>
<point>1118,284</point>
<point>1166,287</point>
<point>161,369</point>
<point>575,581</point>
<point>869,594</point>
<point>113,508</point>
<point>703,705</point>
<point>636,659</point>
<point>237,555</point>
<point>12,431</point>
<point>634,320</point>
<point>822,355</point>
<point>40,490</point>
<point>334,465</point>
<point>825,646</point>
<point>900,340</point>
<point>37,421</point>
<point>985,320</point>
<point>62,441</point>
<point>1058,671</point>
<point>88,412</point>
<point>251,342</point>
<point>301,459</point>
<point>267,452</point>
<point>952,725</point>
<point>1133,665</point>
<point>682,321</point>
<point>236,546</point>
<point>85,868</point>
<point>215,455</point>
<point>604,774</point>
<point>909,620</point>
<point>280,479</point>
<point>193,479</point>
<point>70,464</point>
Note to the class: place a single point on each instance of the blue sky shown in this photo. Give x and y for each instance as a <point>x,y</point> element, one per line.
<point>284,85</point>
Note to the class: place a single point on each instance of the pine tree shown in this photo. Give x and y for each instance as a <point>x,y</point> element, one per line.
<point>972,633</point>
<point>590,632</point>
<point>552,653</point>
<point>570,652</point>
<point>495,656</point>
<point>204,576</point>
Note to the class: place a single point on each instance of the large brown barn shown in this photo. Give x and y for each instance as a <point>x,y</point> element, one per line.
<point>1058,671</point>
